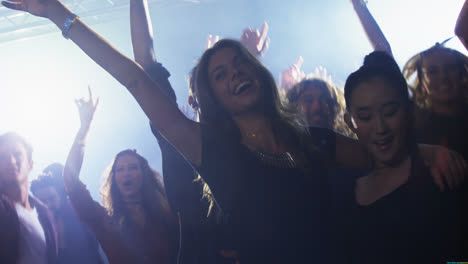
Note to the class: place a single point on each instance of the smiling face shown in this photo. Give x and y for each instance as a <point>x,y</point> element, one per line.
<point>128,177</point>
<point>379,117</point>
<point>234,82</point>
<point>441,77</point>
<point>15,165</point>
<point>314,106</point>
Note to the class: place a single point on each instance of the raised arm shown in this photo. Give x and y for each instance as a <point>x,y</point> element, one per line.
<point>291,76</point>
<point>142,33</point>
<point>71,172</point>
<point>461,29</point>
<point>372,29</point>
<point>163,113</point>
<point>89,211</point>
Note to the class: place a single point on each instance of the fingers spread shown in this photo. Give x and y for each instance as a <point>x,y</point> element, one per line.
<point>90,93</point>
<point>264,31</point>
<point>298,63</point>
<point>266,45</point>
<point>208,41</point>
<point>97,102</point>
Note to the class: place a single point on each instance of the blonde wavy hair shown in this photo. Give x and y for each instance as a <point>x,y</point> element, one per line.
<point>414,75</point>
<point>335,102</point>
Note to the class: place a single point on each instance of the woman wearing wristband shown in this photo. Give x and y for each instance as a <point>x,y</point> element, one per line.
<point>264,169</point>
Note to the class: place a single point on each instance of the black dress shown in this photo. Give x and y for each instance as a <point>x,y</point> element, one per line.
<point>276,215</point>
<point>416,223</point>
<point>200,236</point>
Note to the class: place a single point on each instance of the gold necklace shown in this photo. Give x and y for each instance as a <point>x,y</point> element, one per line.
<point>279,160</point>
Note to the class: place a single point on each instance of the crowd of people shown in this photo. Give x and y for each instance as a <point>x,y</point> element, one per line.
<point>302,171</point>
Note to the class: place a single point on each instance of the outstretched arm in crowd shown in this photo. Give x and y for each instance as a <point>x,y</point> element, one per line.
<point>142,33</point>
<point>163,113</point>
<point>461,29</point>
<point>89,211</point>
<point>72,169</point>
<point>372,29</point>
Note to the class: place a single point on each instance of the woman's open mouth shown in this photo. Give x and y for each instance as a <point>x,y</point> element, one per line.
<point>242,88</point>
<point>385,143</point>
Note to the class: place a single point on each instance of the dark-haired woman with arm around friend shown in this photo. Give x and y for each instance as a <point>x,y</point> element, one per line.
<point>396,213</point>
<point>135,225</point>
<point>437,78</point>
<point>265,169</point>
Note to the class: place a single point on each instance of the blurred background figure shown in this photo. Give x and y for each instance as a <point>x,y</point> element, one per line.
<point>76,243</point>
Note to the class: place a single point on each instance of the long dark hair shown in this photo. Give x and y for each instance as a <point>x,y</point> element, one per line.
<point>380,64</point>
<point>285,121</point>
<point>154,199</point>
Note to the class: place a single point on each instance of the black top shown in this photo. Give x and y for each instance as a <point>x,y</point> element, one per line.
<point>201,236</point>
<point>416,223</point>
<point>275,214</point>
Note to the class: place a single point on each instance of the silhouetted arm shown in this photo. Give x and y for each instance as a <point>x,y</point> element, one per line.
<point>374,34</point>
<point>461,29</point>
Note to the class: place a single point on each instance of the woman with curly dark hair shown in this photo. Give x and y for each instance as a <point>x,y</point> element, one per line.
<point>396,213</point>
<point>135,223</point>
<point>440,92</point>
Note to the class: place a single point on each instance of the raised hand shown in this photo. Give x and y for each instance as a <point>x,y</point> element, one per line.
<point>87,108</point>
<point>257,42</point>
<point>211,41</point>
<point>292,75</point>
<point>34,7</point>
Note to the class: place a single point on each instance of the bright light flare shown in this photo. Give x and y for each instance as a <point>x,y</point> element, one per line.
<point>40,108</point>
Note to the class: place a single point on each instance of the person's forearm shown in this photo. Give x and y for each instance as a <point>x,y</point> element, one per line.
<point>372,29</point>
<point>149,96</point>
<point>142,33</point>
<point>71,172</point>
<point>461,29</point>
<point>161,111</point>
<point>119,66</point>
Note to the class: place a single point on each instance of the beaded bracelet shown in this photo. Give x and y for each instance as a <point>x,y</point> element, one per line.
<point>68,24</point>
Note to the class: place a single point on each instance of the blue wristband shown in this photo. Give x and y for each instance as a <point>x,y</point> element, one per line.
<point>68,24</point>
